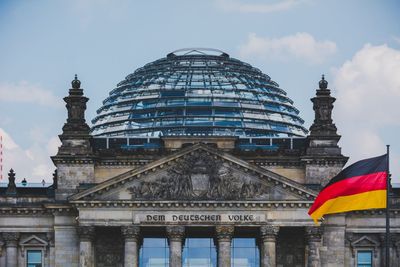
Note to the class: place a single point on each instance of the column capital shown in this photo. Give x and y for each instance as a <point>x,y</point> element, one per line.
<point>131,232</point>
<point>224,232</point>
<point>269,232</point>
<point>314,233</point>
<point>176,232</point>
<point>86,233</point>
<point>11,238</point>
<point>50,238</point>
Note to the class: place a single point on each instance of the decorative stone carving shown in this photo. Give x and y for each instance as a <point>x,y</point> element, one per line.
<point>86,233</point>
<point>33,241</point>
<point>224,232</point>
<point>11,238</point>
<point>357,241</point>
<point>199,176</point>
<point>269,232</point>
<point>1,247</point>
<point>323,105</point>
<point>11,187</point>
<point>50,239</point>
<point>314,233</point>
<point>130,232</point>
<point>175,233</point>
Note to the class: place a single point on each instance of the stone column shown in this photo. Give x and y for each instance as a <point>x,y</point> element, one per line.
<point>86,235</point>
<point>313,237</point>
<point>268,245</point>
<point>175,237</point>
<point>131,236</point>
<point>224,238</point>
<point>11,240</point>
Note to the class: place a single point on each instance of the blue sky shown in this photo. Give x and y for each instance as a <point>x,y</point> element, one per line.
<point>44,43</point>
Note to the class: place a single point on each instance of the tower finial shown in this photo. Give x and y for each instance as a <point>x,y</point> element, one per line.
<point>323,84</point>
<point>11,187</point>
<point>76,84</point>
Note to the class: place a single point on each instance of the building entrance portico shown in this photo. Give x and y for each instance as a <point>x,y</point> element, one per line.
<point>188,246</point>
<point>214,225</point>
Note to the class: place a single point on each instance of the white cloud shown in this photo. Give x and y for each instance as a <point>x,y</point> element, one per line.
<point>368,94</point>
<point>8,142</point>
<point>32,163</point>
<point>24,92</point>
<point>246,7</point>
<point>301,45</point>
<point>397,39</point>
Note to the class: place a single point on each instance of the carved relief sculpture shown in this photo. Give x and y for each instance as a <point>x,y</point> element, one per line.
<point>199,176</point>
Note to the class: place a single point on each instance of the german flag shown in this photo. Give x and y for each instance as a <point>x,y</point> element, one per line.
<point>360,186</point>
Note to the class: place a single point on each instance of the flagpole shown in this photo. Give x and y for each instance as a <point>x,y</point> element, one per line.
<point>387,208</point>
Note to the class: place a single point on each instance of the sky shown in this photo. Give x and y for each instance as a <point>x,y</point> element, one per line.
<point>43,43</point>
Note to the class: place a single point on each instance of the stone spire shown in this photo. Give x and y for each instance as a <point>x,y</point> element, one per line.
<point>11,188</point>
<point>74,160</point>
<point>323,105</point>
<point>75,136</point>
<point>323,157</point>
<point>323,129</point>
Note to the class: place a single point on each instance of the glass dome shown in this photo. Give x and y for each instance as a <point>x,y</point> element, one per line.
<point>196,92</point>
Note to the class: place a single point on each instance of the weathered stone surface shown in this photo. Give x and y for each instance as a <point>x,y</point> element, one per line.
<point>175,238</point>
<point>313,237</point>
<point>224,235</point>
<point>269,234</point>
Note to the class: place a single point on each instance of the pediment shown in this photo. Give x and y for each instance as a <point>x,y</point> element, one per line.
<point>34,241</point>
<point>364,241</point>
<point>197,173</point>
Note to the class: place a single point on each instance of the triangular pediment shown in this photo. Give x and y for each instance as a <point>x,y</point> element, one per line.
<point>198,172</point>
<point>33,240</point>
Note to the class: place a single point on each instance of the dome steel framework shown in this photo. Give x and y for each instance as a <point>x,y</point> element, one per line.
<point>197,92</point>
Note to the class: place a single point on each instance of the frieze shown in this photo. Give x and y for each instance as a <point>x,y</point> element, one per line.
<point>198,218</point>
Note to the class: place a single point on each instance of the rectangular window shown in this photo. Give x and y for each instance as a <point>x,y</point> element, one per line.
<point>364,259</point>
<point>34,258</point>
<point>154,253</point>
<point>245,253</point>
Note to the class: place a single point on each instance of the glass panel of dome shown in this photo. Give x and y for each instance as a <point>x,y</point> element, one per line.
<point>170,122</point>
<point>170,112</point>
<point>227,122</point>
<point>227,112</point>
<point>168,93</point>
<point>199,121</point>
<point>200,112</point>
<point>175,102</point>
<point>219,73</point>
<point>199,102</point>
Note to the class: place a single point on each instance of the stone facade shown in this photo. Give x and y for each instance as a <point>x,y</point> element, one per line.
<point>104,203</point>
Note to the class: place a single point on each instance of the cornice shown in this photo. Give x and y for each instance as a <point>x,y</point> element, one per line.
<point>192,204</point>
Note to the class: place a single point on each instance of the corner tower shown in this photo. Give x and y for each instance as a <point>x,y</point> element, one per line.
<point>74,159</point>
<point>323,157</point>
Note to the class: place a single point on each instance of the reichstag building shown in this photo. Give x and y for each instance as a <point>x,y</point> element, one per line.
<point>196,160</point>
